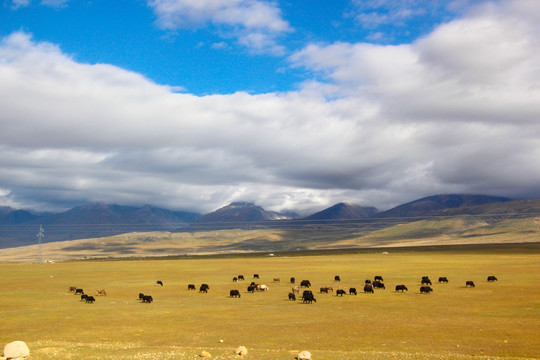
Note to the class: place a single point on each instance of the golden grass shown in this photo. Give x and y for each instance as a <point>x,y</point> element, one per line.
<point>492,321</point>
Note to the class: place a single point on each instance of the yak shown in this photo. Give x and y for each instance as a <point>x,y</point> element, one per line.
<point>401,288</point>
<point>308,298</point>
<point>426,289</point>
<point>234,293</point>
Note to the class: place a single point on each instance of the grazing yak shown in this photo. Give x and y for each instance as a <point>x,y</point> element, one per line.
<point>141,296</point>
<point>159,283</point>
<point>234,293</point>
<point>368,288</point>
<point>327,289</point>
<point>235,279</point>
<point>296,289</point>
<point>377,284</point>
<point>426,289</point>
<point>90,299</point>
<point>292,296</point>
<point>491,278</point>
<point>78,291</point>
<point>277,280</point>
<point>255,276</point>
<point>292,280</point>
<point>83,297</point>
<point>262,288</point>
<point>367,281</point>
<point>308,297</point>
<point>101,292</point>
<point>147,299</point>
<point>204,288</point>
<point>337,278</point>
<point>305,283</point>
<point>191,287</point>
<point>425,280</point>
<point>378,278</point>
<point>241,277</point>
<point>251,289</point>
<point>352,291</point>
<point>469,283</point>
<point>340,292</point>
<point>443,279</point>
<point>401,288</point>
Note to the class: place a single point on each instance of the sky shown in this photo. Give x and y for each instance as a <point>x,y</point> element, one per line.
<point>292,105</point>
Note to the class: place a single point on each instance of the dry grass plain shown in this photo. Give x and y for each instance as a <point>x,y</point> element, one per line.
<point>499,320</point>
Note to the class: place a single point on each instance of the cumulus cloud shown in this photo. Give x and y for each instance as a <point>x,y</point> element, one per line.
<point>465,94</point>
<point>454,112</point>
<point>256,24</point>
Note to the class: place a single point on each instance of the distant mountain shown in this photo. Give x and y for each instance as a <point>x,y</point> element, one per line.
<point>439,204</point>
<point>93,220</point>
<point>343,211</point>
<point>10,216</point>
<point>107,214</point>
<point>20,227</point>
<point>242,212</point>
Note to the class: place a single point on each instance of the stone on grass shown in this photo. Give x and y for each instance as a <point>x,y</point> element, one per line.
<point>205,354</point>
<point>241,350</point>
<point>304,355</point>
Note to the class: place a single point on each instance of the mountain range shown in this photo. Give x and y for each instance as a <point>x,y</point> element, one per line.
<point>20,227</point>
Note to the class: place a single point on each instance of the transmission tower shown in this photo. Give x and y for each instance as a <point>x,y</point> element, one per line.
<point>40,236</point>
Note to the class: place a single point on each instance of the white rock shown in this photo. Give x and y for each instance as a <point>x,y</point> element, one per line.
<point>241,350</point>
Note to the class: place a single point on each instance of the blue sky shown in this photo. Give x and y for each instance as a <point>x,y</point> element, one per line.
<point>204,56</point>
<point>293,105</point>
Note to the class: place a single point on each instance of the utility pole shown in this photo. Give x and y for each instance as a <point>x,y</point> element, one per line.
<point>40,236</point>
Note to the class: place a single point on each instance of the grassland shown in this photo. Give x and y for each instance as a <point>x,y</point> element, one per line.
<point>491,321</point>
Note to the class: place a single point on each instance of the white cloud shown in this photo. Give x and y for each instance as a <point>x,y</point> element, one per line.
<point>456,111</point>
<point>256,24</point>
